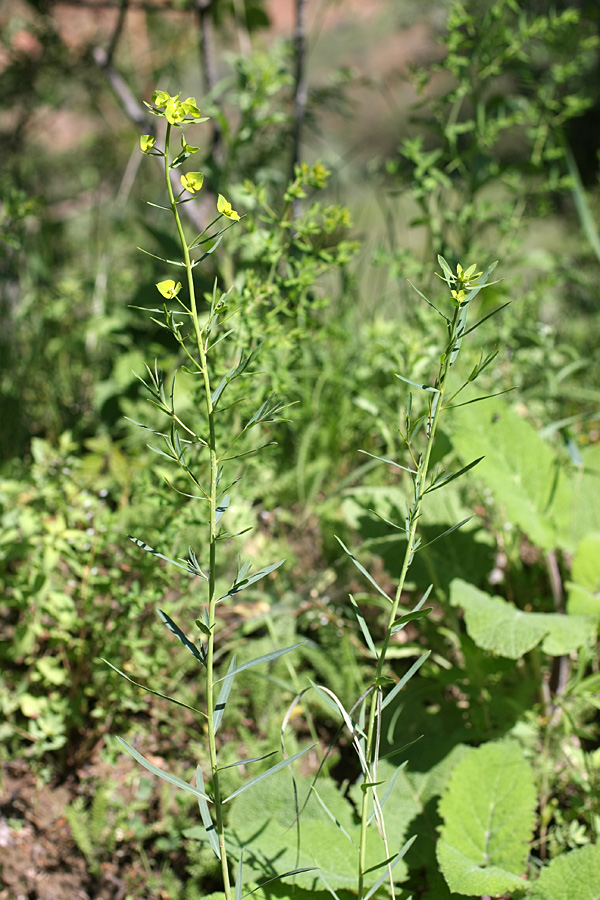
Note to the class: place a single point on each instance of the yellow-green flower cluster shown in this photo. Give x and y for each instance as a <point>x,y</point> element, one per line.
<point>174,110</point>
<point>465,280</point>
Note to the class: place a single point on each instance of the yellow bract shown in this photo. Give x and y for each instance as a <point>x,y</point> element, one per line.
<point>224,207</point>
<point>192,182</point>
<point>147,142</point>
<point>169,289</point>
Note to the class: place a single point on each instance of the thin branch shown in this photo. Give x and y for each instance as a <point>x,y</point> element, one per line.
<point>117,32</point>
<point>204,9</point>
<point>300,91</point>
<point>131,107</point>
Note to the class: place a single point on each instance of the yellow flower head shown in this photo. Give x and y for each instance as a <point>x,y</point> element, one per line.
<point>174,110</point>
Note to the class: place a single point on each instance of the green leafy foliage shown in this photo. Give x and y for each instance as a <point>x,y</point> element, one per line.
<point>506,630</point>
<point>573,874</point>
<point>552,502</point>
<point>488,809</point>
<point>326,835</point>
<point>493,642</point>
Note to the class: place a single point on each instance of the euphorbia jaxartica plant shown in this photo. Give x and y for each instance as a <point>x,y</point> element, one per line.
<point>194,448</point>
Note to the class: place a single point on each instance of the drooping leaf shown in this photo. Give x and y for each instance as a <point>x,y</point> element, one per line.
<point>362,569</point>
<point>207,821</point>
<point>166,776</point>
<point>494,624</point>
<point>488,810</point>
<point>152,691</point>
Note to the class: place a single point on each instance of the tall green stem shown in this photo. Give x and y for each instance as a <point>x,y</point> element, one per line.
<point>419,486</point>
<point>202,365</point>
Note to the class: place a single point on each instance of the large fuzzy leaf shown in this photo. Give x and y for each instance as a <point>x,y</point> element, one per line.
<point>584,588</point>
<point>489,815</point>
<point>571,876</point>
<point>501,627</point>
<point>545,496</point>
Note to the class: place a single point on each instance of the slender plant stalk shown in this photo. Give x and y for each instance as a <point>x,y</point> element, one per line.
<point>202,366</point>
<point>420,478</point>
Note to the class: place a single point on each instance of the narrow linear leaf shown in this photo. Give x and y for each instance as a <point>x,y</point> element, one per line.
<point>200,259</point>
<point>423,297</point>
<point>222,508</point>
<point>362,569</point>
<point>243,582</point>
<point>410,617</point>
<point>401,749</point>
<point>207,821</point>
<point>268,657</point>
<point>279,877</point>
<point>328,886</point>
<point>423,387</point>
<point>171,262</point>
<point>446,479</point>
<point>335,821</point>
<point>405,678</point>
<point>479,399</point>
<point>166,776</point>
<point>447,532</point>
<point>223,694</point>
<point>489,316</point>
<point>151,691</point>
<point>389,789</point>
<point>388,461</point>
<point>363,627</point>
<point>358,735</point>
<point>156,206</point>
<point>400,855</point>
<point>243,762</point>
<point>239,879</point>
<point>168,621</point>
<point>143,546</point>
<point>276,768</point>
